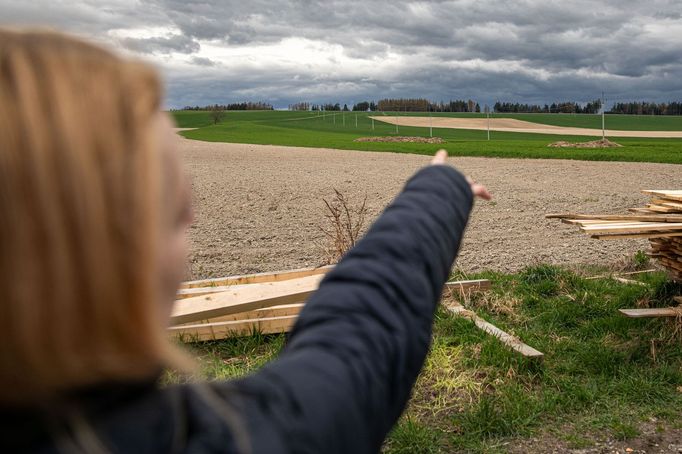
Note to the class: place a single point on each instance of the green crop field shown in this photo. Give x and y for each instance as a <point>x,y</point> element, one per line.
<point>339,130</point>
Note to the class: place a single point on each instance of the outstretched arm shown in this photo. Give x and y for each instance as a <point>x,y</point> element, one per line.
<point>356,350</point>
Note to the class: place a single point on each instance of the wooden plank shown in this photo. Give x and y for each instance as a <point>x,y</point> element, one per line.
<point>276,276</point>
<point>275,311</point>
<point>643,210</point>
<point>652,312</point>
<point>630,273</point>
<point>629,281</point>
<point>618,217</point>
<point>250,297</point>
<point>507,339</point>
<point>237,328</point>
<point>620,236</point>
<point>668,194</point>
<point>638,227</point>
<point>596,221</point>
<point>242,298</point>
<point>200,291</point>
<point>661,209</point>
<point>667,203</point>
<point>669,263</point>
<point>468,286</point>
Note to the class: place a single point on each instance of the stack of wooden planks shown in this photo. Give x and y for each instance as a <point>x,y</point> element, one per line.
<point>660,221</point>
<point>263,303</point>
<point>235,306</point>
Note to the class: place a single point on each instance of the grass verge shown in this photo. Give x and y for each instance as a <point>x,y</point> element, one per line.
<point>602,376</point>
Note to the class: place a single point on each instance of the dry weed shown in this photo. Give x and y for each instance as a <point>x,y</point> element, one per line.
<point>345,225</point>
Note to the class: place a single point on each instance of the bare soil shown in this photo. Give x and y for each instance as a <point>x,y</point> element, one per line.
<point>412,139</point>
<point>259,208</point>
<point>653,438</point>
<point>601,143</point>
<point>513,125</point>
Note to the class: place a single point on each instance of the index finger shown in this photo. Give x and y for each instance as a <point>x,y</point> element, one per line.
<point>440,157</point>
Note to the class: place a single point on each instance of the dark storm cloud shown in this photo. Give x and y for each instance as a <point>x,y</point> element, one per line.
<point>527,50</point>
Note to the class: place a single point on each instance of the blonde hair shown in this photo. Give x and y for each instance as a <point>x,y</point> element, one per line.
<point>80,190</point>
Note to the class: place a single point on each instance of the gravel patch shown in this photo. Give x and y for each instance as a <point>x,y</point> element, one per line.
<point>258,207</point>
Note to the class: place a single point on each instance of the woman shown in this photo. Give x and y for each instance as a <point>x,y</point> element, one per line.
<point>93,213</point>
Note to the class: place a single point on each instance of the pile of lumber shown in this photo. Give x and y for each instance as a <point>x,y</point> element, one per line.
<point>660,221</point>
<point>234,306</point>
<point>265,303</point>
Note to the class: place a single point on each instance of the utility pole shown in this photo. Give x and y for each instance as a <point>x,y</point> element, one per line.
<point>487,114</point>
<point>430,123</point>
<point>603,122</point>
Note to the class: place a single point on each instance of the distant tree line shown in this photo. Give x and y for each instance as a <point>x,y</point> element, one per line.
<point>234,106</point>
<point>626,108</point>
<point>424,105</point>
<point>456,106</point>
<point>320,107</point>
<point>300,106</point>
<point>647,108</point>
<point>393,105</point>
<point>364,106</point>
<point>561,107</point>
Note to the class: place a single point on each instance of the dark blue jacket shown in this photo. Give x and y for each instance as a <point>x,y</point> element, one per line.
<point>340,383</point>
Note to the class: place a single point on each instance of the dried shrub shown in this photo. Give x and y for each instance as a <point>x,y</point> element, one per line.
<point>344,225</point>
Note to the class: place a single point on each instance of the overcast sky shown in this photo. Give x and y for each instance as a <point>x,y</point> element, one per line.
<point>346,51</point>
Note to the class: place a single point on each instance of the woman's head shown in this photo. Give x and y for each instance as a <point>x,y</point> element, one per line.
<point>92,212</point>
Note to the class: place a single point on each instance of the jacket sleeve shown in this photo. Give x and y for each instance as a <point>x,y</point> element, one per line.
<point>356,350</point>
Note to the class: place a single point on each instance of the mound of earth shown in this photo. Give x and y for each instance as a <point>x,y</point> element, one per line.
<point>400,139</point>
<point>601,143</point>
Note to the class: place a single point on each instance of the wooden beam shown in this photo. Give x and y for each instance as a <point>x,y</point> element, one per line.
<point>236,328</point>
<point>652,312</point>
<point>242,298</point>
<point>507,339</point>
<point>275,276</point>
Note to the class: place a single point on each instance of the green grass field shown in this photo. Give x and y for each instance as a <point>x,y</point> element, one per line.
<point>602,376</point>
<point>308,129</point>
